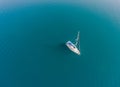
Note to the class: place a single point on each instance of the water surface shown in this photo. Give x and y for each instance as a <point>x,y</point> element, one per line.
<point>33,51</point>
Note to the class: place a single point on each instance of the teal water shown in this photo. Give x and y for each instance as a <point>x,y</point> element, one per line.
<point>33,51</point>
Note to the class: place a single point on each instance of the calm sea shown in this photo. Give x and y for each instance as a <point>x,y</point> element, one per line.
<point>33,51</point>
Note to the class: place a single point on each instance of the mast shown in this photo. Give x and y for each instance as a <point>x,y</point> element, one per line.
<point>77,39</point>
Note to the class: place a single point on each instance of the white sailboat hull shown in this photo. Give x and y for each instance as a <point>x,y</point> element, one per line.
<point>72,47</point>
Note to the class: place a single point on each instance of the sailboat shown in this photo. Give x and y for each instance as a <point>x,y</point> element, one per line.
<point>74,47</point>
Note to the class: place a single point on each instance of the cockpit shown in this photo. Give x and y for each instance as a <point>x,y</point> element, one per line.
<point>71,45</point>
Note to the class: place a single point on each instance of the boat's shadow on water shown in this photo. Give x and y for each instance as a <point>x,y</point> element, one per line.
<point>62,49</point>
